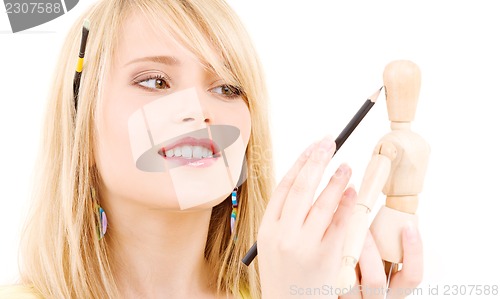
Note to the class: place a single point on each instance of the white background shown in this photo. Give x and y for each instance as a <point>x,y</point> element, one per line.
<point>322,60</point>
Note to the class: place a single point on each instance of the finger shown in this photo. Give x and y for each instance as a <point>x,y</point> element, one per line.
<point>353,293</point>
<point>373,279</point>
<point>275,205</point>
<point>321,213</point>
<point>333,240</point>
<point>335,233</point>
<point>299,199</point>
<point>413,260</point>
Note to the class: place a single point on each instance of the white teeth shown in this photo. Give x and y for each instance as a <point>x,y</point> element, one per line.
<point>204,152</point>
<point>188,151</point>
<point>197,152</point>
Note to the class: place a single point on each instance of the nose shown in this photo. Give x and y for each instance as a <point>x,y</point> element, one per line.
<point>191,119</point>
<point>194,111</point>
<point>199,116</point>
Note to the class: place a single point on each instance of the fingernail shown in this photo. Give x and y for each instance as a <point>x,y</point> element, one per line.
<point>350,192</point>
<point>324,150</point>
<point>327,143</point>
<point>411,232</point>
<point>343,169</point>
<point>309,150</point>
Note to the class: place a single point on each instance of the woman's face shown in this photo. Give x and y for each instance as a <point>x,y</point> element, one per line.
<point>170,133</point>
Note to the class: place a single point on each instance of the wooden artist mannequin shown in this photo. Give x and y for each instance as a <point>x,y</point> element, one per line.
<point>397,169</point>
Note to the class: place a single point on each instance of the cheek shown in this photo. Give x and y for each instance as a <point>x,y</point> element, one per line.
<point>247,125</point>
<point>113,148</point>
<point>241,118</point>
<point>112,135</point>
<point>120,177</point>
<point>236,152</point>
<point>122,180</point>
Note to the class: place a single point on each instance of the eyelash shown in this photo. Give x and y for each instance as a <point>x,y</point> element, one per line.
<point>150,77</point>
<point>236,91</point>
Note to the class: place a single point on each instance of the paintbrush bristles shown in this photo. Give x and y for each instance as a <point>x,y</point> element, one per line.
<point>85,33</point>
<point>86,24</point>
<point>79,66</point>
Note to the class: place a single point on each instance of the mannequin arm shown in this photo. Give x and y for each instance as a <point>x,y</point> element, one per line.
<point>375,178</point>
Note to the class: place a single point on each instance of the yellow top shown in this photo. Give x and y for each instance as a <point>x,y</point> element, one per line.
<point>26,292</point>
<point>244,294</point>
<point>18,292</point>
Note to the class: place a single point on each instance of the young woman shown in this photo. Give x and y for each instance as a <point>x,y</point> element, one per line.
<point>170,120</point>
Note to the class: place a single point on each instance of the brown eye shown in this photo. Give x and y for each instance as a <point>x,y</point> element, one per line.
<point>227,91</point>
<point>160,84</point>
<point>157,82</point>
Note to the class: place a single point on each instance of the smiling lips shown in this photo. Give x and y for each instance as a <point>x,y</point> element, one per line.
<point>191,151</point>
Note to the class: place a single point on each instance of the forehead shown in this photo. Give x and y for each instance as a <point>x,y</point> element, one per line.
<point>139,38</point>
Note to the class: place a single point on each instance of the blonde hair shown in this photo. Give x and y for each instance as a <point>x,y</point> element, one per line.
<point>62,256</point>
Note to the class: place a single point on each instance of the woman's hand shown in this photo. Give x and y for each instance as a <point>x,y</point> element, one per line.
<point>372,278</point>
<point>300,243</point>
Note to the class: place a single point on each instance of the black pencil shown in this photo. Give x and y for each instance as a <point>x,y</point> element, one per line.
<point>358,117</point>
<point>79,66</point>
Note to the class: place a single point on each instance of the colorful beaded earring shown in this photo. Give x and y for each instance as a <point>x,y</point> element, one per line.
<point>102,220</point>
<point>234,212</point>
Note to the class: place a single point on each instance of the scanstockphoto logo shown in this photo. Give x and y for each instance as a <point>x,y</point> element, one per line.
<point>26,14</point>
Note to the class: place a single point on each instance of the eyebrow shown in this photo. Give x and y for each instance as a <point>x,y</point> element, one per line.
<point>168,60</point>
